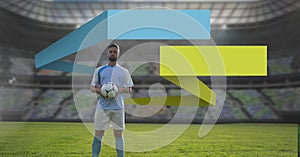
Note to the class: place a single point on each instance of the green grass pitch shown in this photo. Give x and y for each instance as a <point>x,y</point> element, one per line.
<point>73,139</point>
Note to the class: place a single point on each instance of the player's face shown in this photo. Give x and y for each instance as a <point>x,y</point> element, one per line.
<point>113,54</point>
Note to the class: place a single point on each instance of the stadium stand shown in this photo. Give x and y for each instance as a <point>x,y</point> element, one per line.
<point>49,103</point>
<point>22,66</point>
<point>232,110</point>
<point>286,99</point>
<point>45,104</point>
<point>16,102</point>
<point>68,112</point>
<point>253,104</point>
<point>280,66</point>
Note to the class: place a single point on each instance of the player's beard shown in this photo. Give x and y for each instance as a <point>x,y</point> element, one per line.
<point>112,59</point>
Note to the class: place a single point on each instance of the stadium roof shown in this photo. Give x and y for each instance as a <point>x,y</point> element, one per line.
<point>224,13</point>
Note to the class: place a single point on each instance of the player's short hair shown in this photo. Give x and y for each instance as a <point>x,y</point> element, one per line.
<point>114,45</point>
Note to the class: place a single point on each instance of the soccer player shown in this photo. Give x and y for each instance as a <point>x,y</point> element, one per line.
<point>110,110</point>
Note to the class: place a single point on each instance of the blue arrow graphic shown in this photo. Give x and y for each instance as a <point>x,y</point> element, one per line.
<point>124,24</point>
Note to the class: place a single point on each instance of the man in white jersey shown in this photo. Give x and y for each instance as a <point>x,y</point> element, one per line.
<point>110,110</point>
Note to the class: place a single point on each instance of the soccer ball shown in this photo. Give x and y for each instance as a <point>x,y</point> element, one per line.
<point>109,90</point>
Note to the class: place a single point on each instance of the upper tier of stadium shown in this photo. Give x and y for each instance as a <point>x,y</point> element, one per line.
<point>224,13</point>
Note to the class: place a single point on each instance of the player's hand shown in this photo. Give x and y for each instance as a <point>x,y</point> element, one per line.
<point>98,90</point>
<point>117,94</point>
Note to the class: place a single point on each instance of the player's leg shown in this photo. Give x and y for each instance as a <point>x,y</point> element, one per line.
<point>119,142</point>
<point>100,125</point>
<point>118,124</point>
<point>97,143</point>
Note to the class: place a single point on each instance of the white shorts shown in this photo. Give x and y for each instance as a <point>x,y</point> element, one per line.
<point>104,117</point>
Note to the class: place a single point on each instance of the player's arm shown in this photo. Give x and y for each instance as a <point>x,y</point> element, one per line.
<point>95,89</point>
<point>128,84</point>
<point>125,90</point>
